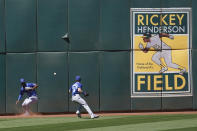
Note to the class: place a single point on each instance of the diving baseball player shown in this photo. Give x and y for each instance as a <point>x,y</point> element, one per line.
<point>76,90</point>
<point>28,88</point>
<point>163,51</point>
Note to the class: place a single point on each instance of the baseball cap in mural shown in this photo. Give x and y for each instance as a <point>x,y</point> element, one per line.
<point>147,35</point>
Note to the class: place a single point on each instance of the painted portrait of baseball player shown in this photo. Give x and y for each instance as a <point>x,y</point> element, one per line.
<point>162,51</point>
<point>76,90</point>
<point>29,89</point>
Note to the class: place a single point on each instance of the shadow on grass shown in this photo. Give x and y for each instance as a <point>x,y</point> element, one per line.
<point>4,119</point>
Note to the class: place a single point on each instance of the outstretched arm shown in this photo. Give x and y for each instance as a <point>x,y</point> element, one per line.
<point>36,86</point>
<point>31,88</point>
<point>163,35</point>
<point>166,35</point>
<point>83,92</point>
<point>19,97</point>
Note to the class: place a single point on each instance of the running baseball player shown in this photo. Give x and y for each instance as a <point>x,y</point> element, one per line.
<point>76,90</point>
<point>29,89</point>
<point>162,51</point>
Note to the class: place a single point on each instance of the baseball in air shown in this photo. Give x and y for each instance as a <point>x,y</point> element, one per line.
<point>54,73</point>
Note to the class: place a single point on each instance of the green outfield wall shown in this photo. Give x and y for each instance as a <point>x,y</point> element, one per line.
<point>101,50</point>
<point>3,85</point>
<point>2,26</point>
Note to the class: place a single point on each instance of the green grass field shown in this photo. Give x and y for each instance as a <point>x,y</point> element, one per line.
<point>178,122</point>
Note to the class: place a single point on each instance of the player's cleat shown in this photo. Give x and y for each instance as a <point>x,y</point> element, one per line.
<point>78,114</point>
<point>163,69</point>
<point>182,71</point>
<point>94,116</point>
<point>26,114</point>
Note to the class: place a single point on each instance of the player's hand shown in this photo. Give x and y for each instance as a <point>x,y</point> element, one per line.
<point>17,102</point>
<point>171,37</point>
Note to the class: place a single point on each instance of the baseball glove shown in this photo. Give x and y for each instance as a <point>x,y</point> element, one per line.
<point>85,94</point>
<point>141,46</point>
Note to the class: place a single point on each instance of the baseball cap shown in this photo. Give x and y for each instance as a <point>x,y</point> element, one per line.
<point>78,78</point>
<point>22,80</point>
<point>146,35</point>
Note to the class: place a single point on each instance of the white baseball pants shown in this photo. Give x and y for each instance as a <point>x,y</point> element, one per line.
<point>167,55</point>
<point>77,98</point>
<point>29,101</point>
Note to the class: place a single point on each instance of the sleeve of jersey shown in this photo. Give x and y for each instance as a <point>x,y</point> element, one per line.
<point>20,95</point>
<point>80,85</point>
<point>31,84</point>
<point>156,38</point>
<point>70,89</point>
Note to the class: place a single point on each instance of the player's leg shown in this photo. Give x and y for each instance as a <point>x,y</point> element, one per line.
<point>27,103</point>
<point>167,55</point>
<point>25,106</point>
<point>78,112</point>
<point>33,99</point>
<point>156,58</point>
<point>168,59</point>
<point>85,106</point>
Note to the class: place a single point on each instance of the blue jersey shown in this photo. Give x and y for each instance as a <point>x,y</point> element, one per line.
<point>29,92</point>
<point>74,88</point>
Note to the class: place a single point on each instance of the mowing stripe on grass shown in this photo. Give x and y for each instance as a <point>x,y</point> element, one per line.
<point>20,122</point>
<point>4,119</point>
<point>100,123</point>
<point>154,126</point>
<point>183,129</point>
